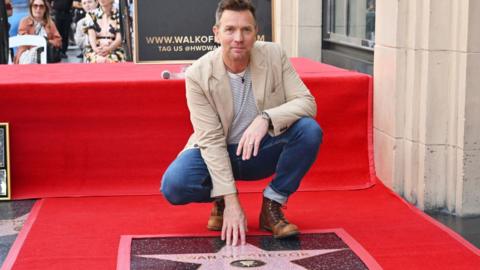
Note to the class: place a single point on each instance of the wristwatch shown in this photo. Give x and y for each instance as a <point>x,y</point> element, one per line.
<point>267,117</point>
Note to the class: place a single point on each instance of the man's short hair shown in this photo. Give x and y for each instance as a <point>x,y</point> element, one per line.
<point>235,5</point>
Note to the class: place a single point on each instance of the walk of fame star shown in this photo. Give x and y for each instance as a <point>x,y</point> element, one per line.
<point>11,227</point>
<point>245,256</point>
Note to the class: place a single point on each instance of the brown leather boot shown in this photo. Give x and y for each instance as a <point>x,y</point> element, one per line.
<point>215,221</point>
<point>273,220</point>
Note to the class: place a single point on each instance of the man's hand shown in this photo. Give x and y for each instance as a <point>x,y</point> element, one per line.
<point>252,137</point>
<point>234,221</point>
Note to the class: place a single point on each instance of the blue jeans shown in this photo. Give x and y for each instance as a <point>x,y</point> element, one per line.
<point>289,156</point>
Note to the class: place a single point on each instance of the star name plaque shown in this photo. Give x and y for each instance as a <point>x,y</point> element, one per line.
<point>332,249</point>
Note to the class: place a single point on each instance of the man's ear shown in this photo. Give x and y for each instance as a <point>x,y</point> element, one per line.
<point>215,30</point>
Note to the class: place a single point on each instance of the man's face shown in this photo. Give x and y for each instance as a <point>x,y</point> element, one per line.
<point>236,33</point>
<point>89,5</point>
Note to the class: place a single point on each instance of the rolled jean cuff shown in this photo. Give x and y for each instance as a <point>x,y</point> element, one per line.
<point>274,196</point>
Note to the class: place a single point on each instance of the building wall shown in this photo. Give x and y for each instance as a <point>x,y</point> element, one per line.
<point>426,106</point>
<point>427,93</point>
<point>300,35</point>
<point>427,97</point>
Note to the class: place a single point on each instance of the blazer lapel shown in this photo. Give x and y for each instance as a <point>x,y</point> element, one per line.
<point>259,76</point>
<point>220,86</point>
<point>221,92</point>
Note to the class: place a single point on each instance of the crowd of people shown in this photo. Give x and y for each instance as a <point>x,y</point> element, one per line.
<point>92,25</point>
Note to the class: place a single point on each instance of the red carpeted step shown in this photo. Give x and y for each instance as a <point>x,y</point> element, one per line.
<point>113,129</point>
<point>84,233</point>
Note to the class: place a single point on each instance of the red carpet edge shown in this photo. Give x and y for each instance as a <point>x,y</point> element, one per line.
<point>17,245</point>
<point>442,227</point>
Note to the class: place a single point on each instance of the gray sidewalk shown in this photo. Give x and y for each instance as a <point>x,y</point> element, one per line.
<point>72,53</point>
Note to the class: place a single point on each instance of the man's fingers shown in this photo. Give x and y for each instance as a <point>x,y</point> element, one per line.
<point>248,151</point>
<point>224,229</point>
<point>245,151</point>
<point>242,233</point>
<point>240,145</point>
<point>252,148</point>
<point>256,147</point>
<point>229,235</point>
<point>235,235</point>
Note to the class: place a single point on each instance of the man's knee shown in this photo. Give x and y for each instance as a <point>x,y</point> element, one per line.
<point>311,130</point>
<point>172,189</point>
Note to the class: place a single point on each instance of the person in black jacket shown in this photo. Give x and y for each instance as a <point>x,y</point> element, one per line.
<point>62,16</point>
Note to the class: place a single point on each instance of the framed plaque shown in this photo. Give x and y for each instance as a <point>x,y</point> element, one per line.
<point>4,163</point>
<point>180,31</point>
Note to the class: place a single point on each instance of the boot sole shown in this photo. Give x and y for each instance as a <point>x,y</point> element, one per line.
<point>213,224</point>
<point>216,229</point>
<point>291,234</point>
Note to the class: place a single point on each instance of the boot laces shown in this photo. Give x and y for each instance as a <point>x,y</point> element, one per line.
<point>276,212</point>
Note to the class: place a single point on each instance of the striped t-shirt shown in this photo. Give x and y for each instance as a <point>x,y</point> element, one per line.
<point>244,107</point>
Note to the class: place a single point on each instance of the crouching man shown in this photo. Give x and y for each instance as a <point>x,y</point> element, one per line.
<point>252,118</point>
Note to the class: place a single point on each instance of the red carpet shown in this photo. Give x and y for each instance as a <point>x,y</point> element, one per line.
<point>84,233</point>
<point>113,129</point>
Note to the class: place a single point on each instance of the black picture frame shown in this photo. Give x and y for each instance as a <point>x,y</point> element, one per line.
<point>5,190</point>
<point>189,23</point>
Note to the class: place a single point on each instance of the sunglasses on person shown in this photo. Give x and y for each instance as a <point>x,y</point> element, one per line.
<point>35,6</point>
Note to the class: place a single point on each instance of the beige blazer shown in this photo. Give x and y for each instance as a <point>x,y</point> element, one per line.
<point>277,88</point>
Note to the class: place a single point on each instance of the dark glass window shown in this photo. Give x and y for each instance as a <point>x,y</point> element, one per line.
<point>349,34</point>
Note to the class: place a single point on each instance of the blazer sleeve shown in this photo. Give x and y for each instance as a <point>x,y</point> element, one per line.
<point>299,101</point>
<point>210,139</point>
